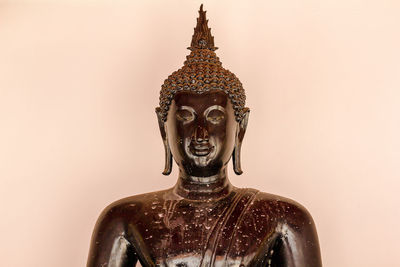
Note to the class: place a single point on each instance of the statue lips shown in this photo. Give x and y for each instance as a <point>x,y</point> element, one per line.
<point>200,150</point>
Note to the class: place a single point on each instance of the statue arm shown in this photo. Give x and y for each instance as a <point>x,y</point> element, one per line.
<point>109,246</point>
<point>298,244</point>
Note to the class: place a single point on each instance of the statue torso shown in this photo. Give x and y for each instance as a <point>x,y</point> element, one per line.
<point>241,229</point>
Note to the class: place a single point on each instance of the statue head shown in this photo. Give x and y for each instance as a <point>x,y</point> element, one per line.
<point>202,114</point>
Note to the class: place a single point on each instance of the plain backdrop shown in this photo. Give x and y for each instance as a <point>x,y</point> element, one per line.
<point>79,82</point>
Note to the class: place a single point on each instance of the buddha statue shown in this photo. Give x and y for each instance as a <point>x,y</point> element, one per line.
<point>203,220</point>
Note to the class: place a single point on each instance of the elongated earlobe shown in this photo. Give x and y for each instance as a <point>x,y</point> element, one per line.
<point>240,131</point>
<point>168,159</point>
<point>168,154</point>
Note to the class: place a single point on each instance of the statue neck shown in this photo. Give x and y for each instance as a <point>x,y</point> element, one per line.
<point>209,188</point>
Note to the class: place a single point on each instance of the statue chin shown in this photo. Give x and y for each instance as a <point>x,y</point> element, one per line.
<point>200,154</point>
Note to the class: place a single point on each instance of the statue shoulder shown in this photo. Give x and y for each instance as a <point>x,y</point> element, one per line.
<point>112,238</point>
<point>282,209</point>
<point>130,209</point>
<point>293,227</point>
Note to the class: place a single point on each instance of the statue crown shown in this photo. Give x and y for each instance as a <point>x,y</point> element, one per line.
<point>201,72</point>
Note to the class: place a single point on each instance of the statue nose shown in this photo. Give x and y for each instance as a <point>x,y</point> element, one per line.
<point>200,134</point>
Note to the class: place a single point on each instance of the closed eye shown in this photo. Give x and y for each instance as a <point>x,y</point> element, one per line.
<point>185,114</point>
<point>215,114</point>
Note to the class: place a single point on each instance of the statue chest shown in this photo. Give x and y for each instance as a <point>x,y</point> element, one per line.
<point>178,233</point>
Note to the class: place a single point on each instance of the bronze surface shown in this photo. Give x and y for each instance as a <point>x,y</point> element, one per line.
<point>203,220</point>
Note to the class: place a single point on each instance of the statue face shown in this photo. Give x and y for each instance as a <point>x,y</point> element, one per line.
<point>201,131</point>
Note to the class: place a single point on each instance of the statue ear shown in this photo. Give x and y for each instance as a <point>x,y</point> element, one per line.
<point>168,154</point>
<point>240,131</point>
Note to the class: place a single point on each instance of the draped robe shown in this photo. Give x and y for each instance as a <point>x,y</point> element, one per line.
<point>245,228</point>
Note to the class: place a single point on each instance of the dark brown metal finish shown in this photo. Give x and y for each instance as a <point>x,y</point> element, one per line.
<point>204,220</point>
<point>201,72</point>
<point>202,37</point>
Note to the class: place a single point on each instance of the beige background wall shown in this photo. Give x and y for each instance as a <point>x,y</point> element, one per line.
<point>79,82</point>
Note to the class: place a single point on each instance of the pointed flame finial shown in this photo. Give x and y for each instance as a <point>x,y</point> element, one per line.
<point>202,38</point>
